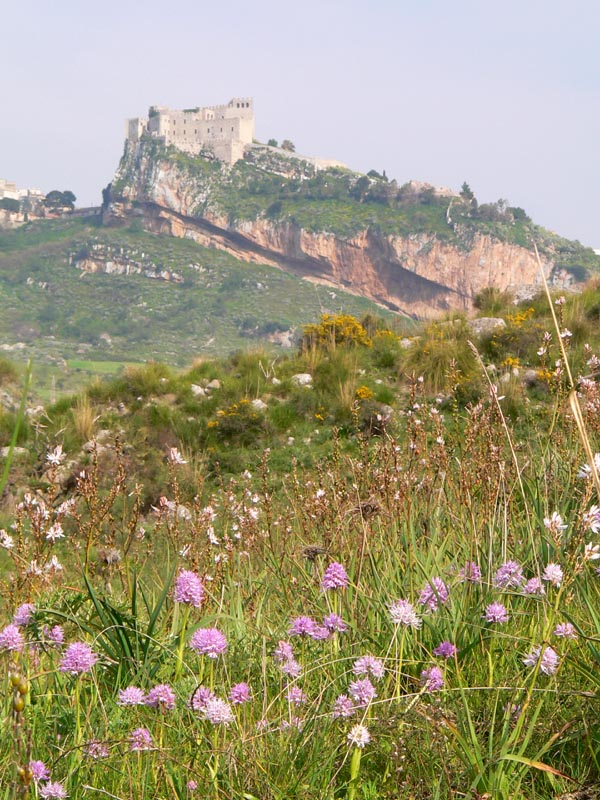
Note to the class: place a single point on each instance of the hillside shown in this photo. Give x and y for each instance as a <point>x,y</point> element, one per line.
<point>233,578</point>
<point>414,248</point>
<point>80,299</point>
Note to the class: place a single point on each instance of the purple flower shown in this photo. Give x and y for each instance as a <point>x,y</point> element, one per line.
<point>140,739</point>
<point>218,712</point>
<point>362,691</point>
<point>548,659</point>
<point>334,577</point>
<point>283,652</point>
<point>78,658</point>
<point>291,668</point>
<point>434,593</point>
<point>508,576</point>
<point>96,749</point>
<point>188,589</point>
<point>445,649</point>
<point>209,642</point>
<point>191,786</point>
<point>53,791</point>
<point>55,635</point>
<point>565,630</point>
<point>39,771</point>
<point>334,623</point>
<point>496,612</point>
<point>11,638</point>
<point>295,695</point>
<point>131,696</point>
<point>161,696</point>
<point>369,665</point>
<point>240,693</point>
<point>200,698</point>
<point>320,632</point>
<point>470,572</point>
<point>534,586</point>
<point>432,679</point>
<point>302,626</point>
<point>553,574</point>
<point>24,614</point>
<point>342,707</point>
<point>403,613</point>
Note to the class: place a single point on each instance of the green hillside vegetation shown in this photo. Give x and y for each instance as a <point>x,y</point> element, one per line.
<point>221,305</point>
<point>381,585</point>
<point>362,372</point>
<point>345,203</point>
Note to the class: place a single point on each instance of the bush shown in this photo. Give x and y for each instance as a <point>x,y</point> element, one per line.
<point>441,355</point>
<point>333,330</point>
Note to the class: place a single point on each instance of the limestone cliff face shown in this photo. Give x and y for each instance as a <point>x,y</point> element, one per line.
<point>418,274</point>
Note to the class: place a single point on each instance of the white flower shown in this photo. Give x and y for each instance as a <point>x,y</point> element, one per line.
<point>55,456</point>
<point>359,736</point>
<point>55,532</point>
<point>6,541</point>
<point>591,519</point>
<point>175,456</point>
<point>555,523</point>
<point>591,552</point>
<point>53,565</point>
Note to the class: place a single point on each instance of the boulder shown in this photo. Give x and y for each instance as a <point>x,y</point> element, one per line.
<point>302,379</point>
<point>484,326</point>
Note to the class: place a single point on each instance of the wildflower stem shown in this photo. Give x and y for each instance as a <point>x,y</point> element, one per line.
<point>354,773</point>
<point>179,664</point>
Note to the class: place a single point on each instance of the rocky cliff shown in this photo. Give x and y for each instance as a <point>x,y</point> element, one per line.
<point>260,215</point>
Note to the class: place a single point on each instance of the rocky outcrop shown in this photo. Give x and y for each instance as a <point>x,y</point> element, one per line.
<point>420,274</point>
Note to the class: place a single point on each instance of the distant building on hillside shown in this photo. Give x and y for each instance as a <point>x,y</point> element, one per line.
<point>225,129</point>
<point>8,189</point>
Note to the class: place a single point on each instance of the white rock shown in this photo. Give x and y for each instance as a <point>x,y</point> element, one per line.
<point>302,379</point>
<point>17,451</point>
<point>198,391</point>
<point>259,404</point>
<point>214,384</point>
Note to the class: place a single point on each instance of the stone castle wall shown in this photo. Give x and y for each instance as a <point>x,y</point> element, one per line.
<point>225,129</point>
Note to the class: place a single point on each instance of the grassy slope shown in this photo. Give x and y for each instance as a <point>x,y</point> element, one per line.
<point>228,305</point>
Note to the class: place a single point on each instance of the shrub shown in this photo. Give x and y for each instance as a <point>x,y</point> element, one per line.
<point>442,356</point>
<point>333,330</point>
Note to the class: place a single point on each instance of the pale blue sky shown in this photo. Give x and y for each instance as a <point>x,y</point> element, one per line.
<point>505,95</point>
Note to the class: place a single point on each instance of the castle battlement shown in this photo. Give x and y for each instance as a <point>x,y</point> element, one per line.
<point>224,129</point>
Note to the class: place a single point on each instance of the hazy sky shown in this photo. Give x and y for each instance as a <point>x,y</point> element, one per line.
<point>504,94</point>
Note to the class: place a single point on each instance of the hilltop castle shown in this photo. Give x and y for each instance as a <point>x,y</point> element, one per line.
<point>226,129</point>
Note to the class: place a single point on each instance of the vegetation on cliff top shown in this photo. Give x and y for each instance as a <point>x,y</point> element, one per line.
<point>267,184</point>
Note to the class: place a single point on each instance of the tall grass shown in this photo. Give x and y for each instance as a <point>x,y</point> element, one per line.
<point>454,652</point>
